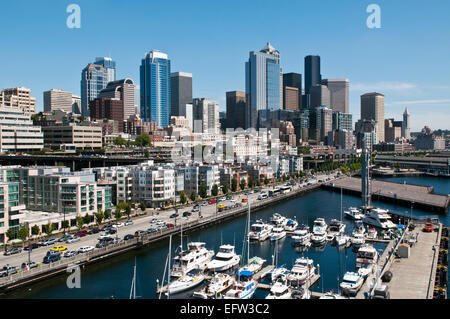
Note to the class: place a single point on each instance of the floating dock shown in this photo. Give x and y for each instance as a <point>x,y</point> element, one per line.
<point>400,194</point>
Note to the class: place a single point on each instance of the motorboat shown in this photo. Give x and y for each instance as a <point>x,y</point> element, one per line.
<point>301,293</point>
<point>302,271</point>
<point>278,220</point>
<point>336,227</point>
<point>372,233</point>
<point>278,233</point>
<point>196,256</point>
<point>280,290</point>
<point>244,286</point>
<point>277,273</point>
<point>354,213</point>
<point>318,238</point>
<point>331,295</point>
<point>254,264</point>
<point>366,259</point>
<point>291,225</point>
<point>352,283</point>
<point>218,284</point>
<point>301,237</point>
<point>260,231</point>
<point>341,240</point>
<point>379,218</point>
<point>192,279</point>
<point>225,259</point>
<point>359,228</point>
<point>319,225</point>
<point>357,239</point>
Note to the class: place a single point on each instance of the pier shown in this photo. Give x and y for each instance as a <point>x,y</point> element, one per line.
<point>399,194</point>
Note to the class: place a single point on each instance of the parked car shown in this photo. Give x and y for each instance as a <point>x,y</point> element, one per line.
<point>101,244</point>
<point>51,258</point>
<point>32,246</point>
<point>94,231</point>
<point>85,249</point>
<point>8,270</point>
<point>151,230</point>
<point>196,208</point>
<point>72,239</point>
<point>118,225</point>
<point>139,232</point>
<point>104,236</point>
<point>81,233</point>
<point>205,204</point>
<point>28,265</point>
<point>128,237</point>
<point>106,227</point>
<point>112,231</point>
<point>187,214</point>
<point>174,215</point>
<point>70,253</point>
<point>153,220</point>
<point>59,248</point>
<point>128,222</point>
<point>229,197</point>
<point>222,199</point>
<point>169,225</point>
<point>64,238</point>
<point>212,202</point>
<point>53,252</point>
<point>48,241</point>
<point>12,251</point>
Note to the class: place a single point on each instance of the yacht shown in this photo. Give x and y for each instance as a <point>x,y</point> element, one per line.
<point>192,279</point>
<point>277,273</point>
<point>379,218</point>
<point>341,240</point>
<point>366,259</point>
<point>359,228</point>
<point>277,233</point>
<point>301,237</point>
<point>260,231</point>
<point>195,257</point>
<point>254,264</point>
<point>320,225</point>
<point>336,228</point>
<point>302,271</point>
<point>244,286</point>
<point>279,290</point>
<point>351,283</point>
<point>225,259</point>
<point>278,220</point>
<point>291,225</point>
<point>357,239</point>
<point>372,233</point>
<point>216,287</point>
<point>318,237</point>
<point>301,293</point>
<point>354,213</point>
<point>331,295</point>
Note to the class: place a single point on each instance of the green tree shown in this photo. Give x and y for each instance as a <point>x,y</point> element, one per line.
<point>128,210</point>
<point>242,184</point>
<point>87,219</point>
<point>234,184</point>
<point>80,222</point>
<point>258,182</point>
<point>120,141</point>
<point>107,214</point>
<point>146,154</point>
<point>118,212</point>
<point>48,229</point>
<point>251,182</point>
<point>99,216</point>
<point>183,197</point>
<point>225,188</point>
<point>10,234</point>
<point>193,196</point>
<point>142,206</point>
<point>143,140</point>
<point>215,190</point>
<point>203,192</point>
<point>266,181</point>
<point>23,232</point>
<point>35,230</point>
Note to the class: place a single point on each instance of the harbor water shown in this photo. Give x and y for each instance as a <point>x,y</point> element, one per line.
<point>112,278</point>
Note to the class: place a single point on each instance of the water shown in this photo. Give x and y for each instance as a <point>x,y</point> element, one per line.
<point>113,277</point>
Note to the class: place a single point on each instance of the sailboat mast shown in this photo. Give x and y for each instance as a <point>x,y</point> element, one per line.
<point>248,232</point>
<point>168,277</point>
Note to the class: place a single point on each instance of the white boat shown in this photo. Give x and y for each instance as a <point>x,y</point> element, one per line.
<point>279,290</point>
<point>302,271</point>
<point>195,257</point>
<point>216,287</point>
<point>336,228</point>
<point>359,228</point>
<point>260,231</point>
<point>277,233</point>
<point>192,279</point>
<point>225,259</point>
<point>351,283</point>
<point>244,286</point>
<point>301,293</point>
<point>331,295</point>
<point>342,240</point>
<point>279,272</point>
<point>366,259</point>
<point>254,264</point>
<point>354,213</point>
<point>291,225</point>
<point>301,236</point>
<point>319,225</point>
<point>357,239</point>
<point>372,233</point>
<point>379,218</point>
<point>278,220</point>
<point>318,237</point>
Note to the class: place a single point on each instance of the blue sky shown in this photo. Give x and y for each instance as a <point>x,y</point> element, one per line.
<point>407,59</point>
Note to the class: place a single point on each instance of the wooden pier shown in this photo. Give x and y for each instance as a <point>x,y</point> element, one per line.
<point>400,194</point>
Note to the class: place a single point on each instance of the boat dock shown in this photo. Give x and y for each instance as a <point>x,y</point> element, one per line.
<point>400,194</point>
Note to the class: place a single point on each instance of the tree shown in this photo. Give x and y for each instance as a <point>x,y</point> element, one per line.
<point>48,229</point>
<point>118,212</point>
<point>203,192</point>
<point>80,222</point>
<point>87,219</point>
<point>99,216</point>
<point>215,190</point>
<point>120,141</point>
<point>183,197</point>
<point>234,184</point>
<point>142,206</point>
<point>146,154</point>
<point>251,182</point>
<point>143,140</point>
<point>24,232</point>
<point>242,184</point>
<point>193,196</point>
<point>266,181</point>
<point>35,230</point>
<point>258,182</point>
<point>11,234</point>
<point>225,188</point>
<point>107,214</point>
<point>128,210</point>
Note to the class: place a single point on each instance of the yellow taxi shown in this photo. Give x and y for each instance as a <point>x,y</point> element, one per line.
<point>59,248</point>
<point>221,206</point>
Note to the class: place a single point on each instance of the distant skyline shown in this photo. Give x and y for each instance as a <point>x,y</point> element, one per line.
<point>406,59</point>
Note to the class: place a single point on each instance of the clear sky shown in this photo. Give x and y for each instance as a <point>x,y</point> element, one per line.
<point>407,59</point>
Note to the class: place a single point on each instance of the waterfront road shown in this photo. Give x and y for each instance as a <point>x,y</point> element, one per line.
<point>143,223</point>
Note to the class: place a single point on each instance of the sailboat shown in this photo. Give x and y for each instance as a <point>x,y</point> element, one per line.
<point>277,272</point>
<point>133,283</point>
<point>341,239</point>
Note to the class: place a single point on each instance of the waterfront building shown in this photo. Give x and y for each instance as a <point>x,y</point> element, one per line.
<point>372,108</point>
<point>124,91</point>
<point>263,85</point>
<point>10,207</point>
<point>94,78</point>
<point>56,99</point>
<point>19,97</point>
<point>77,136</point>
<point>17,132</point>
<point>339,94</point>
<point>180,91</point>
<point>236,104</point>
<point>427,140</point>
<point>155,88</point>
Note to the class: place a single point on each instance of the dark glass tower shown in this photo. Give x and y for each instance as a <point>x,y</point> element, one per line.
<point>293,80</point>
<point>312,72</point>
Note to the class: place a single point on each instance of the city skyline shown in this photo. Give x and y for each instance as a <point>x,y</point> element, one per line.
<point>390,67</point>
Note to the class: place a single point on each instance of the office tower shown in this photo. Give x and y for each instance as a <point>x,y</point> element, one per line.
<point>406,131</point>
<point>108,108</point>
<point>292,80</point>
<point>94,78</point>
<point>110,67</point>
<point>137,99</point>
<point>392,130</point>
<point>324,122</point>
<point>339,94</point>
<point>155,88</point>
<point>235,109</point>
<point>312,72</point>
<point>319,96</point>
<point>342,121</point>
<point>19,97</point>
<point>56,99</point>
<point>124,91</point>
<point>262,85</point>
<point>181,91</point>
<point>187,111</point>
<point>372,108</point>
<point>207,111</point>
<point>76,104</point>
<point>366,132</point>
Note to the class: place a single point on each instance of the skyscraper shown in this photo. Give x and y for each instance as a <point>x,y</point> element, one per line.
<point>262,85</point>
<point>181,91</point>
<point>312,72</point>
<point>339,94</point>
<point>319,96</point>
<point>124,91</point>
<point>155,88</point>
<point>290,81</point>
<point>372,108</point>
<point>235,109</point>
<point>94,78</point>
<point>406,131</point>
<point>207,111</point>
<point>55,99</point>
<point>110,67</point>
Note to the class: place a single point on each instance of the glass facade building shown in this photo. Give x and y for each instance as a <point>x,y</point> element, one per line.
<point>155,88</point>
